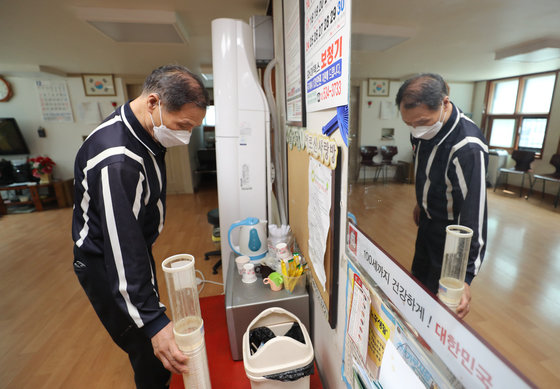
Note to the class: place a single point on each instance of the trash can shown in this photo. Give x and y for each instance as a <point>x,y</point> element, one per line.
<point>277,351</point>
<point>497,159</point>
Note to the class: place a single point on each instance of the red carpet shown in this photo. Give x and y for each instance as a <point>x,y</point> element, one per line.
<point>224,371</point>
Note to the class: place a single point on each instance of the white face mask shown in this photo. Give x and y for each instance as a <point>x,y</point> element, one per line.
<point>168,137</point>
<point>428,132</point>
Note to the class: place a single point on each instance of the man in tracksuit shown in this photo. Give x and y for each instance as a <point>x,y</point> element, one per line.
<point>119,210</point>
<point>451,157</point>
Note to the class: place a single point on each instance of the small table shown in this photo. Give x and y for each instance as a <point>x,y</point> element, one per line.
<point>56,193</point>
<point>245,301</point>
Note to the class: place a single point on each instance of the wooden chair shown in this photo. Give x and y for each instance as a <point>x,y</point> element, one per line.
<point>552,177</point>
<point>523,160</point>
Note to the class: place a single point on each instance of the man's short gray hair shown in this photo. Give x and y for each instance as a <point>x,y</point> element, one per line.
<point>425,88</point>
<point>176,85</point>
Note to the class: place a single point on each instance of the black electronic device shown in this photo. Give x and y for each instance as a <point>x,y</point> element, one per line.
<point>6,172</point>
<point>11,139</point>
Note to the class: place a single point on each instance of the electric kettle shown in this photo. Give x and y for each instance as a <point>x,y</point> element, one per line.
<point>252,238</point>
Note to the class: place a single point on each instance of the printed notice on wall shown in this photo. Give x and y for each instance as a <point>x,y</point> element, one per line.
<point>358,323</point>
<point>54,101</point>
<point>318,211</point>
<point>327,53</point>
<point>292,58</point>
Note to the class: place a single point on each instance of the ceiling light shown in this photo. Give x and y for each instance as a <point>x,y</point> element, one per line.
<point>533,51</point>
<point>135,26</point>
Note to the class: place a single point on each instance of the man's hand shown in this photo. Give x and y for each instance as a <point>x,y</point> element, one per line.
<point>416,214</point>
<point>464,306</point>
<point>167,351</point>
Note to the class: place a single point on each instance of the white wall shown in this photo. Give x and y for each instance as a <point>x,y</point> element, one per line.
<point>478,102</point>
<point>63,139</point>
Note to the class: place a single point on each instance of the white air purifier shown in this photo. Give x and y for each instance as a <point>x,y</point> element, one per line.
<point>242,128</point>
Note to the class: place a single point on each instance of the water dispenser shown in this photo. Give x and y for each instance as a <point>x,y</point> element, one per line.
<point>188,326</point>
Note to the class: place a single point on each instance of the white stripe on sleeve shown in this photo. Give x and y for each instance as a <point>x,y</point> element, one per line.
<point>116,248</point>
<point>481,208</point>
<point>461,178</point>
<point>159,203</point>
<point>137,197</point>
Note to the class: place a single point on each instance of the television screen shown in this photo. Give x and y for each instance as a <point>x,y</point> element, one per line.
<point>11,140</point>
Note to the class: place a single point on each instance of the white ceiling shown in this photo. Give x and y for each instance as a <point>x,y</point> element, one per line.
<point>456,38</point>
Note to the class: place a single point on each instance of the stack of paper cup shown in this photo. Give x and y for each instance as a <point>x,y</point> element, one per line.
<point>240,261</point>
<point>454,266</point>
<point>248,275</point>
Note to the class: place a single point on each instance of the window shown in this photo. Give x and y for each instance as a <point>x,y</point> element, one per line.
<point>518,112</point>
<point>210,118</point>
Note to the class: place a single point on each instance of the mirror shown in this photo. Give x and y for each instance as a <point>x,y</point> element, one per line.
<point>393,41</point>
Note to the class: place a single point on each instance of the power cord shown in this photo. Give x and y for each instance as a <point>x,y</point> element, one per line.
<point>202,280</point>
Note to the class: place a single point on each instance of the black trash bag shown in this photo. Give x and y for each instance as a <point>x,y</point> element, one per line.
<point>296,333</point>
<point>259,336</point>
<point>292,375</point>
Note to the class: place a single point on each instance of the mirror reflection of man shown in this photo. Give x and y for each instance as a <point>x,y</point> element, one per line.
<point>451,157</point>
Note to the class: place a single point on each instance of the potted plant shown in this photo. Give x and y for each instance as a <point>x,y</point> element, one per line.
<point>42,167</point>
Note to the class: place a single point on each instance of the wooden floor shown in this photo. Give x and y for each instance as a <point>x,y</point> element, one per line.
<point>50,337</point>
<point>516,296</point>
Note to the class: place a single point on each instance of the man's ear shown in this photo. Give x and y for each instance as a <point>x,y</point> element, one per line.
<point>152,102</point>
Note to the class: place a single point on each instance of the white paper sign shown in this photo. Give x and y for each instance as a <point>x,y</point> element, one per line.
<point>318,219</point>
<point>470,360</point>
<point>327,53</point>
<point>358,323</point>
<point>387,110</point>
<point>395,372</point>
<point>292,58</point>
<point>89,112</point>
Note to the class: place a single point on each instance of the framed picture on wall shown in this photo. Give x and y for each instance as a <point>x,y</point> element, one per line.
<point>99,84</point>
<point>378,87</point>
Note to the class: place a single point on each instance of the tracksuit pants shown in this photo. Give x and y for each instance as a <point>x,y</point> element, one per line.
<point>428,256</point>
<point>149,372</point>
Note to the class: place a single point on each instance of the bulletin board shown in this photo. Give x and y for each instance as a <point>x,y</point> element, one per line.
<point>298,189</point>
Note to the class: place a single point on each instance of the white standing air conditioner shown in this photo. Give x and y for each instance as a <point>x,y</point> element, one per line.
<point>242,129</point>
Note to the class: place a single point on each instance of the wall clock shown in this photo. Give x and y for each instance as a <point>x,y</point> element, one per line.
<point>6,92</point>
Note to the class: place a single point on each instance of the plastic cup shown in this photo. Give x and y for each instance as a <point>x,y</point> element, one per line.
<point>240,261</point>
<point>248,275</point>
<point>294,283</point>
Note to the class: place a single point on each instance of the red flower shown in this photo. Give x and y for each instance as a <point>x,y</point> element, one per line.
<point>41,165</point>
